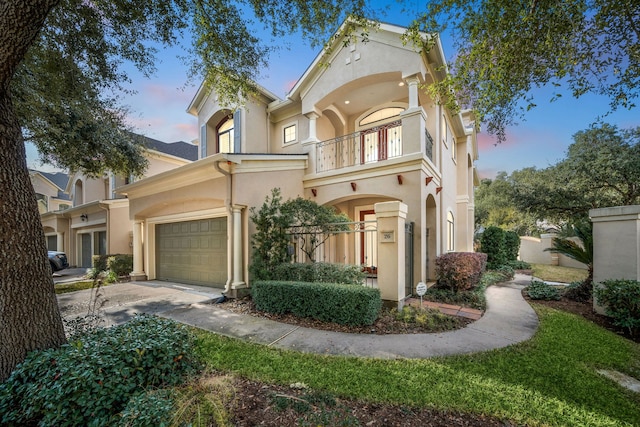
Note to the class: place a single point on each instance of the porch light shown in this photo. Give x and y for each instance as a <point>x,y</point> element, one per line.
<point>347,102</point>
<point>314,191</point>
<point>353,186</point>
<point>400,179</point>
<point>401,84</point>
<point>84,217</point>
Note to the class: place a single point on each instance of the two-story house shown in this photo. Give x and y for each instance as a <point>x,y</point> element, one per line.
<point>353,134</point>
<point>95,220</point>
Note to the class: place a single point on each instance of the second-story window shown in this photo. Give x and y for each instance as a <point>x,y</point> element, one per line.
<point>290,134</point>
<point>225,136</point>
<point>383,138</point>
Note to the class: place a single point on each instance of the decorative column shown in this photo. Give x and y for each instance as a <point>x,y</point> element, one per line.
<point>313,137</point>
<point>237,248</point>
<point>138,259</point>
<point>391,251</point>
<point>60,241</point>
<point>413,92</point>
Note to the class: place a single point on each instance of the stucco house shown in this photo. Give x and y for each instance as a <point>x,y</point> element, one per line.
<point>358,134</point>
<point>95,220</point>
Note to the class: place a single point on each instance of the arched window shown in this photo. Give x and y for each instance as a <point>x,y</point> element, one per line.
<point>78,196</point>
<point>381,115</point>
<point>450,232</point>
<point>225,135</point>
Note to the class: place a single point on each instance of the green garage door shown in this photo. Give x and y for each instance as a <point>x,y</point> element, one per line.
<point>193,252</point>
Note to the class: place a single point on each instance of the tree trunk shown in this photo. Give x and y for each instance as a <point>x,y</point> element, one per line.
<point>29,314</point>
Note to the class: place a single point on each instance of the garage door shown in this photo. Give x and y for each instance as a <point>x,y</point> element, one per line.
<point>192,252</point>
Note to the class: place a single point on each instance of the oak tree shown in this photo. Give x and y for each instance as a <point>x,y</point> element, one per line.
<point>61,69</point>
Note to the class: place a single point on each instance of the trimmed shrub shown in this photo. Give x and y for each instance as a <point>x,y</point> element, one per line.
<point>91,380</point>
<point>492,244</point>
<point>511,245</point>
<point>327,302</point>
<point>459,271</point>
<point>111,266</point>
<point>543,291</point>
<point>621,301</point>
<point>320,272</point>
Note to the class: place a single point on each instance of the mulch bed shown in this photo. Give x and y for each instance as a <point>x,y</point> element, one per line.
<point>261,404</point>
<point>386,323</point>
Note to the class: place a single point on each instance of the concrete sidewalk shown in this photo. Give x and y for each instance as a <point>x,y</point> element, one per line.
<point>508,320</point>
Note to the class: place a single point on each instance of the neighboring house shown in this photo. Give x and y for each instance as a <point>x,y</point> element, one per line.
<point>50,194</point>
<point>350,135</point>
<point>96,221</point>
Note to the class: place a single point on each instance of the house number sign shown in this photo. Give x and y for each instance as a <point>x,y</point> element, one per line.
<point>388,237</point>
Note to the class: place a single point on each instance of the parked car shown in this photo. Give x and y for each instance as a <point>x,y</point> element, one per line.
<point>58,261</point>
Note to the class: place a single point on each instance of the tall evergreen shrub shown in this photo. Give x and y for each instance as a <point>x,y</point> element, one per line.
<point>492,243</point>
<point>511,245</point>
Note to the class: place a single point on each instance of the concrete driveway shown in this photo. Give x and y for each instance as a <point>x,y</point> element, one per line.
<point>120,302</point>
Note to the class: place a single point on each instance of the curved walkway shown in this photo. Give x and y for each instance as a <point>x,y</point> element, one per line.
<point>508,320</point>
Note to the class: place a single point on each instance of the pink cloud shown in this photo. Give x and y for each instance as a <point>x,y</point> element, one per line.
<point>288,85</point>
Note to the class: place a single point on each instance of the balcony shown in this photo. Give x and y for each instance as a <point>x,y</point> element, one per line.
<point>366,146</point>
<point>363,147</point>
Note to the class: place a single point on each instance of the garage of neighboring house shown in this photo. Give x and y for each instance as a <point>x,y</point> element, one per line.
<point>192,252</point>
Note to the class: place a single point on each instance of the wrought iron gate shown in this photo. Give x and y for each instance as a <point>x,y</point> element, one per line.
<point>408,258</point>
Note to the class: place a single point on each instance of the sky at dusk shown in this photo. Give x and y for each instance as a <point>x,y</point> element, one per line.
<point>158,110</point>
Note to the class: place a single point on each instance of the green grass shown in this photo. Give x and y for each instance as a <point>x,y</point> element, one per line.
<point>549,380</point>
<point>556,273</point>
<point>63,288</point>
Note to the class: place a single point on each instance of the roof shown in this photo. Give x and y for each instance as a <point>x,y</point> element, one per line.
<point>180,149</point>
<point>60,179</point>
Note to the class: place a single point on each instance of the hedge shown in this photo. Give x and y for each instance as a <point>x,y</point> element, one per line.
<point>320,272</point>
<point>327,302</point>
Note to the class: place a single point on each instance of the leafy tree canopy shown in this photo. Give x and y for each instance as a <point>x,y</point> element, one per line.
<point>65,91</point>
<point>506,48</point>
<point>601,169</point>
<point>494,206</point>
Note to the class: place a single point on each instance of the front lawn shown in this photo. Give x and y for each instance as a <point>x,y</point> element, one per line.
<point>556,273</point>
<point>549,380</point>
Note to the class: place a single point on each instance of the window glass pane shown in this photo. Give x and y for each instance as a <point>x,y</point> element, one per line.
<point>382,114</point>
<point>290,134</point>
<point>225,137</point>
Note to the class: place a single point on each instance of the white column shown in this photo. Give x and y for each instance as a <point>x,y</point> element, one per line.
<point>413,92</point>
<point>59,241</point>
<point>237,248</point>
<point>313,117</point>
<point>138,260</point>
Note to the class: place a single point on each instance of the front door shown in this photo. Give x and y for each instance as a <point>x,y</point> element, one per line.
<point>368,241</point>
<point>85,250</point>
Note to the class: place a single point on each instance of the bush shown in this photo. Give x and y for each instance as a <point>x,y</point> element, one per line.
<point>511,245</point>
<point>506,272</point>
<point>621,301</point>
<point>459,271</point>
<point>111,267</point>
<point>320,272</point>
<point>519,265</point>
<point>579,291</point>
<point>327,302</point>
<point>543,291</point>
<point>492,244</point>
<point>91,380</point>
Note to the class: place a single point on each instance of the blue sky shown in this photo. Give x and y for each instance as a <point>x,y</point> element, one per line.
<point>158,109</point>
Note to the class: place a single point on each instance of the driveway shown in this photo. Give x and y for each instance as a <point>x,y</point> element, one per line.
<point>120,302</point>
